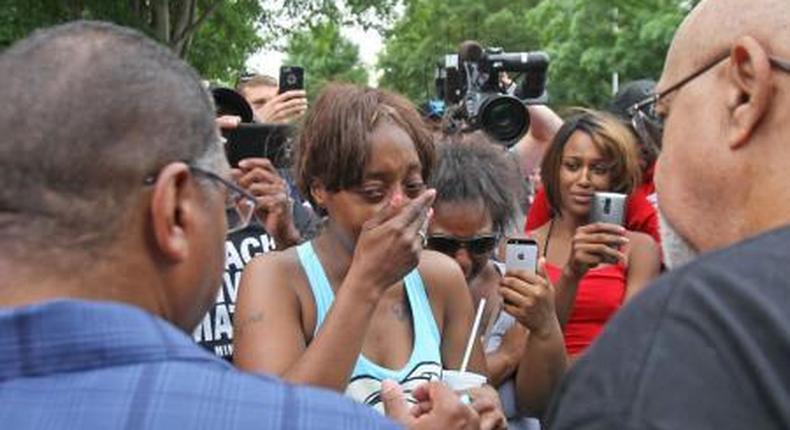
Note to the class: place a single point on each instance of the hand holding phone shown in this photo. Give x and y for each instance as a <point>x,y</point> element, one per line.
<point>283,108</point>
<point>526,292</point>
<point>259,177</point>
<point>595,244</point>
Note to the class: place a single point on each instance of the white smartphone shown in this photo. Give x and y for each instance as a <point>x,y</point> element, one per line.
<point>521,254</point>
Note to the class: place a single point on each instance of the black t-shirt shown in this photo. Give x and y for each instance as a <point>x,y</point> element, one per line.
<point>707,346</point>
<point>215,331</point>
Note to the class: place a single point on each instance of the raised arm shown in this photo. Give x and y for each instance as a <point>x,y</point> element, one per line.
<point>387,249</point>
<point>530,298</point>
<point>591,245</point>
<point>644,263</point>
<point>503,362</point>
<point>544,123</point>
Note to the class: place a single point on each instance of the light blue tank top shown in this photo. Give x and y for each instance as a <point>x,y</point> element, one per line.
<point>425,363</point>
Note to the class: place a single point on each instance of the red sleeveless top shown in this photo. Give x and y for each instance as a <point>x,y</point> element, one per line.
<point>600,294</point>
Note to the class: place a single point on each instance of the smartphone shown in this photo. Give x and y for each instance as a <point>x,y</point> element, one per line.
<point>521,254</point>
<point>272,141</point>
<point>291,78</point>
<point>608,208</point>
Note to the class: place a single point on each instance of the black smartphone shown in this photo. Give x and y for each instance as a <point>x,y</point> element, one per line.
<point>291,78</point>
<point>272,141</point>
<point>521,254</point>
<point>608,208</point>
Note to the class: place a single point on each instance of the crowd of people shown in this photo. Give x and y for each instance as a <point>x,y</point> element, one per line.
<point>358,287</point>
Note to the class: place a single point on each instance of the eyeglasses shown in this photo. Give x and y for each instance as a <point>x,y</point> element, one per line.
<point>449,245</point>
<point>649,126</point>
<point>239,204</point>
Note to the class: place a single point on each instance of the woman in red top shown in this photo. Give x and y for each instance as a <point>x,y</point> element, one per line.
<point>641,213</point>
<point>595,267</point>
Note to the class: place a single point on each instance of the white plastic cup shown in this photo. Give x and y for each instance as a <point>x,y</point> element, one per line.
<point>462,381</point>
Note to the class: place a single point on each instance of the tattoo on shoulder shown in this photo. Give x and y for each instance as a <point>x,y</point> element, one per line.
<point>401,312</point>
<point>252,319</point>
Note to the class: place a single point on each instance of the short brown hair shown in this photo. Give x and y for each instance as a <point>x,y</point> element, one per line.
<point>610,136</point>
<point>247,81</point>
<point>334,144</point>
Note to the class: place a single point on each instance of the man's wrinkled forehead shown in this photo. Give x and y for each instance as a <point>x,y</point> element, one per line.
<point>714,25</point>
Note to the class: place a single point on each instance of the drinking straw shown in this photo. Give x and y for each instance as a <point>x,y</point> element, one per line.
<point>472,335</point>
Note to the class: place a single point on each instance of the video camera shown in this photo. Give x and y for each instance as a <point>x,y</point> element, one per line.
<point>472,82</point>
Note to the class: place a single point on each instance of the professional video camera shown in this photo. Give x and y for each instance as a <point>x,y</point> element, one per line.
<point>474,83</point>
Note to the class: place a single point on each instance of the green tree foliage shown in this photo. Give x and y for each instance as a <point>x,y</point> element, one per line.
<point>590,40</point>
<point>221,46</point>
<point>326,56</point>
<point>285,18</point>
<point>430,29</point>
<point>587,40</point>
<point>215,36</point>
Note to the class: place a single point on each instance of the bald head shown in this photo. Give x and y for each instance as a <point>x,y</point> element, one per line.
<point>718,176</point>
<point>89,110</point>
<point>713,26</point>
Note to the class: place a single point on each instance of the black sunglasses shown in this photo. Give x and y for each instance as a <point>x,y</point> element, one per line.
<point>449,245</point>
<point>649,126</point>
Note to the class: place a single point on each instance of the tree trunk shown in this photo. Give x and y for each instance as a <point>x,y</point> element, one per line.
<point>162,20</point>
<point>186,17</point>
<point>179,43</point>
<point>135,5</point>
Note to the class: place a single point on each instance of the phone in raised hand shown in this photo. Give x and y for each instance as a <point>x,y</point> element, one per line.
<point>291,78</point>
<point>608,208</point>
<point>521,254</point>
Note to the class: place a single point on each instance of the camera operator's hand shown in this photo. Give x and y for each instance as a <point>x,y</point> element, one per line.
<point>438,407</point>
<point>227,121</point>
<point>275,206</point>
<point>595,244</point>
<point>283,108</point>
<point>529,298</point>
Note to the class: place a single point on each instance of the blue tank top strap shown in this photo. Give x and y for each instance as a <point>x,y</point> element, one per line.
<point>424,322</point>
<point>425,362</point>
<point>319,284</point>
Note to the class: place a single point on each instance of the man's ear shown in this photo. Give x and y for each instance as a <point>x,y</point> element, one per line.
<point>749,73</point>
<point>171,207</point>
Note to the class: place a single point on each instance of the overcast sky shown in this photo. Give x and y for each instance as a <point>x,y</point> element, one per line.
<point>369,42</point>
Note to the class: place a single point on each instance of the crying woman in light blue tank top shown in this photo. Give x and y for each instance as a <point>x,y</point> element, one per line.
<point>362,302</point>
